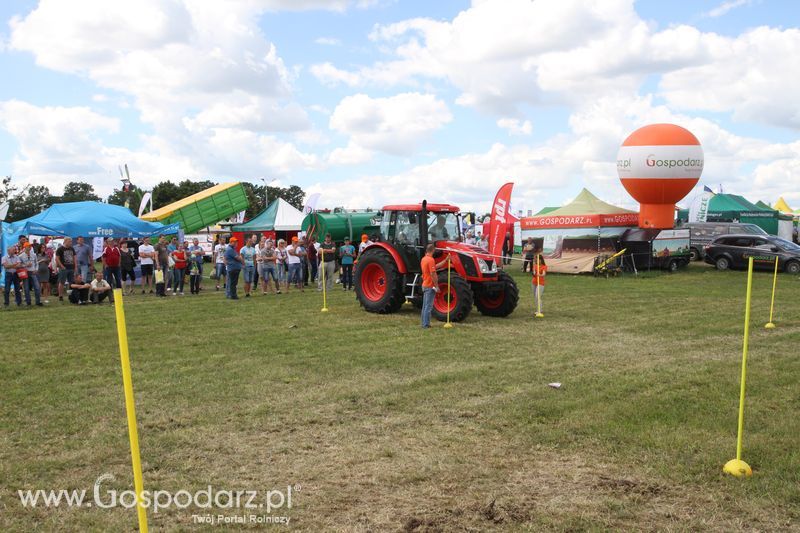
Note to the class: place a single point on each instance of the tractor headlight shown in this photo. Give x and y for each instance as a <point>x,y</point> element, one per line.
<point>485,267</point>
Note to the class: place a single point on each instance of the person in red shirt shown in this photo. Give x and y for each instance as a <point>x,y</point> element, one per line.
<point>430,285</point>
<point>179,270</point>
<point>112,258</point>
<point>539,269</point>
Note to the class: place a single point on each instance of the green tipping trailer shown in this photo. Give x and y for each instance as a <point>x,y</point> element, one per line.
<point>341,224</point>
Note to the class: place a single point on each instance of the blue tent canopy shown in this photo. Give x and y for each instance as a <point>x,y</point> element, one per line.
<point>87,219</point>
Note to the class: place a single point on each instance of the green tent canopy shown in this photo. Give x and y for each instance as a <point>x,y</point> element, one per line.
<point>586,203</point>
<point>735,208</point>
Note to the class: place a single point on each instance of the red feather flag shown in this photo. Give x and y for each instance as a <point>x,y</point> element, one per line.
<point>498,222</point>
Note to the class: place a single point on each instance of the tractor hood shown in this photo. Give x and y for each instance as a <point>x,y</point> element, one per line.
<point>462,247</point>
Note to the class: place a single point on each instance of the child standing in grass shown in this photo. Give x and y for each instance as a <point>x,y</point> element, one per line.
<point>539,269</point>
<point>194,278</point>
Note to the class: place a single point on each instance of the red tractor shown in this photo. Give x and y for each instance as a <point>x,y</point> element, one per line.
<point>388,271</point>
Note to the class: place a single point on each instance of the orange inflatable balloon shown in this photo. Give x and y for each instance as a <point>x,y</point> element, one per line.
<point>658,165</point>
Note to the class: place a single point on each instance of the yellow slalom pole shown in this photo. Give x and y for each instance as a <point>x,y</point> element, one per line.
<point>448,324</point>
<point>771,324</point>
<point>130,409</point>
<point>737,467</point>
<point>324,290</point>
<point>539,313</point>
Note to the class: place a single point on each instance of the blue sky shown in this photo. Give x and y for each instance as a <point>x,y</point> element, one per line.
<point>377,101</point>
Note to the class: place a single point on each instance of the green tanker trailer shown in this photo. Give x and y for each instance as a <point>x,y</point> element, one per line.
<point>341,224</point>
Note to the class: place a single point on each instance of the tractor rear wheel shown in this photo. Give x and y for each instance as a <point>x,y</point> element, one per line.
<point>460,298</point>
<point>499,303</point>
<point>379,285</point>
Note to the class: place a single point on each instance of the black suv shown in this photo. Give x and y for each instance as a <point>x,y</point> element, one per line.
<point>733,251</point>
<point>702,233</point>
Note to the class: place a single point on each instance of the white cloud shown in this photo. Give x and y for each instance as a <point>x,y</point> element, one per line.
<point>515,127</point>
<point>584,157</point>
<point>394,125</point>
<point>328,41</point>
<point>504,53</point>
<point>330,75</point>
<point>55,139</point>
<point>308,5</point>
<point>62,144</point>
<point>753,75</point>
<point>352,154</point>
<point>724,7</point>
<point>202,75</point>
<point>249,113</point>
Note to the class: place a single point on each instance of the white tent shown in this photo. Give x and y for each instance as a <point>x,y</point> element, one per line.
<point>279,215</point>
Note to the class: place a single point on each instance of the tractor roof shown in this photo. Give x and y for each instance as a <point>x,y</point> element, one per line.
<point>432,208</point>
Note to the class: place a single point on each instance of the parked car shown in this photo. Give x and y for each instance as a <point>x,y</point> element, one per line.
<point>702,233</point>
<point>733,251</point>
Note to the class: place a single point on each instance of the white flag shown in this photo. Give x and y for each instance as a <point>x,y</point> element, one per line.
<point>97,247</point>
<point>698,211</point>
<point>4,210</point>
<point>238,218</point>
<point>311,203</point>
<point>147,197</point>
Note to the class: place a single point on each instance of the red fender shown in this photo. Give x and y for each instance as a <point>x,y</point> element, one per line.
<point>401,265</point>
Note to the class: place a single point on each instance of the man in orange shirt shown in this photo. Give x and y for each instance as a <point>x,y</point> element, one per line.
<point>430,285</point>
<point>539,269</point>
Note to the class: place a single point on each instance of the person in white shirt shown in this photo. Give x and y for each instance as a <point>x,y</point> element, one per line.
<point>100,289</point>
<point>148,257</point>
<point>31,264</point>
<point>364,243</point>
<point>219,261</point>
<point>294,264</point>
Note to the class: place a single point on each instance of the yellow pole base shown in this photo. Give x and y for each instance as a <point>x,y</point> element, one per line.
<point>447,325</point>
<point>737,468</point>
<point>324,309</point>
<point>539,315</point>
<point>770,325</point>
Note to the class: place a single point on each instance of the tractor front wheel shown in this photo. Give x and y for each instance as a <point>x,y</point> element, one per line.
<point>499,303</point>
<point>460,302</point>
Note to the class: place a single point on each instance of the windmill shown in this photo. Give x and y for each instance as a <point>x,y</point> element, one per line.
<point>142,197</point>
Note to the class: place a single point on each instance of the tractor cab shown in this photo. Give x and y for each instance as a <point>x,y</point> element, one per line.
<point>388,272</point>
<point>409,228</point>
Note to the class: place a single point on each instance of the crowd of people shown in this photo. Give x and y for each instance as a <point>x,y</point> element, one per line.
<point>38,271</point>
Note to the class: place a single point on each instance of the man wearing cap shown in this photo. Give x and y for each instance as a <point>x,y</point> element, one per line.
<point>233,264</point>
<point>31,264</point>
<point>364,243</point>
<point>294,259</point>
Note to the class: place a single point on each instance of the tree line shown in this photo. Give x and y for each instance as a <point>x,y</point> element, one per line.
<point>35,198</point>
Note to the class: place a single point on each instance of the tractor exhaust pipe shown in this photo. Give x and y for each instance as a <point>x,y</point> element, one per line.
<point>423,226</point>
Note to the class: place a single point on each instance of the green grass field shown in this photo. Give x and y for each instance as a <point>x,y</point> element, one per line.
<point>381,426</point>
